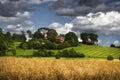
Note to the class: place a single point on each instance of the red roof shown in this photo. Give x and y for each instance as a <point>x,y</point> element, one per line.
<point>60,39</point>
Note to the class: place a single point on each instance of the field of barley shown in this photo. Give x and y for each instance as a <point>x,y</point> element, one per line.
<point>12,68</point>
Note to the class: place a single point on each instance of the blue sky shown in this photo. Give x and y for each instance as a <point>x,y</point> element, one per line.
<point>97,16</point>
<point>43,16</point>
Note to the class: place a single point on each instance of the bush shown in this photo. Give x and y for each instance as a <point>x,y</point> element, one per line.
<point>110,57</point>
<point>23,45</point>
<point>119,57</point>
<point>50,45</point>
<point>70,54</point>
<point>3,53</point>
<point>35,44</point>
<point>63,45</point>
<point>50,53</point>
<point>81,55</point>
<point>57,56</point>
<point>14,52</point>
<point>43,53</point>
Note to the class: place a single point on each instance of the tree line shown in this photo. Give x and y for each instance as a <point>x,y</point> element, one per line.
<point>43,38</point>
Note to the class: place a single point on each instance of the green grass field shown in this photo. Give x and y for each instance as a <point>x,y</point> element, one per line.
<point>91,51</point>
<point>98,51</point>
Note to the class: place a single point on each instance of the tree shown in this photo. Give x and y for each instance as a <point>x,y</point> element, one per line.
<point>112,45</point>
<point>23,45</point>
<point>23,38</point>
<point>8,37</point>
<point>45,33</point>
<point>0,30</point>
<point>29,33</point>
<point>72,39</point>
<point>19,37</point>
<point>51,35</point>
<point>84,37</point>
<point>16,37</point>
<point>3,45</point>
<point>93,37</point>
<point>89,38</point>
<point>38,34</point>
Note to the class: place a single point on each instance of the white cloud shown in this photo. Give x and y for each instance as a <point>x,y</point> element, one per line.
<point>80,40</point>
<point>61,29</point>
<point>99,42</point>
<point>20,17</point>
<point>29,23</point>
<point>17,28</point>
<point>102,23</point>
<point>39,1</point>
<point>18,23</point>
<point>108,23</point>
<point>14,28</point>
<point>116,43</point>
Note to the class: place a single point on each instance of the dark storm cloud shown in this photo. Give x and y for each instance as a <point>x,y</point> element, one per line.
<point>83,7</point>
<point>9,8</point>
<point>91,3</point>
<point>56,5</point>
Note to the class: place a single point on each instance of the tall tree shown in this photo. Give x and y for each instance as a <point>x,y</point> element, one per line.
<point>51,35</point>
<point>0,30</point>
<point>29,33</point>
<point>3,44</point>
<point>45,33</point>
<point>71,38</point>
<point>93,37</point>
<point>38,34</point>
<point>89,36</point>
<point>84,37</point>
<point>9,39</point>
<point>23,36</point>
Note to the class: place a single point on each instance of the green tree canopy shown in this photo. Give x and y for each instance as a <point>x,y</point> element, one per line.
<point>93,37</point>
<point>45,33</point>
<point>3,45</point>
<point>71,38</point>
<point>51,35</point>
<point>29,33</point>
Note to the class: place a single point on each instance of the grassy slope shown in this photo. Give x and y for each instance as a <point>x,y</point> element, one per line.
<point>96,51</point>
<point>21,51</point>
<point>89,50</point>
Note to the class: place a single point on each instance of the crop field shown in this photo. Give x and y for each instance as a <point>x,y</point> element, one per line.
<point>12,68</point>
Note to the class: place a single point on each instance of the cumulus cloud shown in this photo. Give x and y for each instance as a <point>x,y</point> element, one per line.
<point>101,23</point>
<point>20,17</point>
<point>14,12</point>
<point>39,1</point>
<point>14,28</point>
<point>27,25</point>
<point>104,23</point>
<point>116,43</point>
<point>83,7</point>
<point>61,29</point>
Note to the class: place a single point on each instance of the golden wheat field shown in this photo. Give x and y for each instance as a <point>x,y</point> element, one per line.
<point>12,68</point>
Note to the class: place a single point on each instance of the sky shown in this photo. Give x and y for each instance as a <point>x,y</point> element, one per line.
<point>92,16</point>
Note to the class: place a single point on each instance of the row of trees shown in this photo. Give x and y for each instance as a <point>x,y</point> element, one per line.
<point>7,41</point>
<point>43,38</point>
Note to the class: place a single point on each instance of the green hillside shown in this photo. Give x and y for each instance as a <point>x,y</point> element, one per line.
<point>92,51</point>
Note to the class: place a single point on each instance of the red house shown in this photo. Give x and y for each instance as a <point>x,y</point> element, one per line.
<point>60,39</point>
<point>88,41</point>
